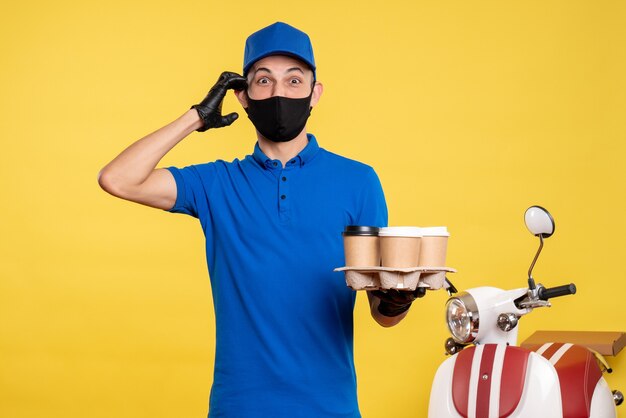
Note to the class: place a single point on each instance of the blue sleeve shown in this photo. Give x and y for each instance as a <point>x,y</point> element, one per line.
<point>193,187</point>
<point>373,207</point>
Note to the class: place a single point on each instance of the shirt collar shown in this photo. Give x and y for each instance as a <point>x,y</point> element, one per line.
<point>306,155</point>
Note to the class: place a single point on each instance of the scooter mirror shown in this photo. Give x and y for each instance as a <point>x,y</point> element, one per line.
<point>539,221</point>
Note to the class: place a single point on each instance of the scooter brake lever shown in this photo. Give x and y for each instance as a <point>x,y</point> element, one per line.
<point>531,300</point>
<point>527,303</point>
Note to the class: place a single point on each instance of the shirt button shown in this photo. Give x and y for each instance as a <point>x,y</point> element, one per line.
<point>274,163</point>
<point>293,161</point>
<point>284,178</point>
<point>283,197</point>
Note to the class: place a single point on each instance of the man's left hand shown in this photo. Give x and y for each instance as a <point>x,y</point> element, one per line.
<point>394,302</point>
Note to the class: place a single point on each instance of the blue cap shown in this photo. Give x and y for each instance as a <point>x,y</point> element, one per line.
<point>278,39</point>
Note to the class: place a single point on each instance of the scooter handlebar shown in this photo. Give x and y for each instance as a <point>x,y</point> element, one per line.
<point>553,292</point>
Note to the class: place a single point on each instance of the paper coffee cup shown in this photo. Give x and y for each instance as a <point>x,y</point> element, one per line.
<point>434,246</point>
<point>361,247</point>
<point>400,246</point>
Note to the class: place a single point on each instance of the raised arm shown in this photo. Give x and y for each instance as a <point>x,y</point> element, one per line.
<point>133,175</point>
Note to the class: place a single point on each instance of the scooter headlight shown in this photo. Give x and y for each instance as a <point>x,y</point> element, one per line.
<point>462,317</point>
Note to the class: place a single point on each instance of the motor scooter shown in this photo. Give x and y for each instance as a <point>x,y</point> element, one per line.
<point>489,376</point>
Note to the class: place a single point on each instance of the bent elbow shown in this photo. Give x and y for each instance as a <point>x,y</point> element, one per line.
<point>107,183</point>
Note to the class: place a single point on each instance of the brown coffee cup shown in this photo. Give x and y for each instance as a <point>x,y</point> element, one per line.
<point>400,246</point>
<point>361,247</point>
<point>434,246</point>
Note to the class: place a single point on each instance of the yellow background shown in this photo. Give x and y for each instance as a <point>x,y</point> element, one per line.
<point>470,111</point>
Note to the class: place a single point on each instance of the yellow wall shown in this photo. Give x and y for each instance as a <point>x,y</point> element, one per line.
<point>470,111</point>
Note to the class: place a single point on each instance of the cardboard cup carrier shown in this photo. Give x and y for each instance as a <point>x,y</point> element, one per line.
<point>400,257</point>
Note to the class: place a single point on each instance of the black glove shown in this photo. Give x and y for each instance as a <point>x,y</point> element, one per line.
<point>210,109</point>
<point>394,302</point>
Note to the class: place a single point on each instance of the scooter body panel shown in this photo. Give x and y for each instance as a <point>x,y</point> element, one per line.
<point>491,392</point>
<point>441,403</point>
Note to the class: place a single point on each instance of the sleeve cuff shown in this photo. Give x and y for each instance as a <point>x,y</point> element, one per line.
<point>180,190</point>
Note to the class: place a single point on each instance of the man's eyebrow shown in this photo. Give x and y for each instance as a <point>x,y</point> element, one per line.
<point>295,69</point>
<point>288,70</point>
<point>262,69</point>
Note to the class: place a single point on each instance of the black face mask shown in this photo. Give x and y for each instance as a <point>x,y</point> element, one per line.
<point>279,119</point>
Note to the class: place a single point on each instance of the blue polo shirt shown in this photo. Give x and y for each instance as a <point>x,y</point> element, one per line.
<point>284,323</point>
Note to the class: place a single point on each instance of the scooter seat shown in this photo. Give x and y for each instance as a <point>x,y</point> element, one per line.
<point>578,373</point>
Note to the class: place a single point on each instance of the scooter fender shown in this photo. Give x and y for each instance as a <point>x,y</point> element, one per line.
<point>495,381</point>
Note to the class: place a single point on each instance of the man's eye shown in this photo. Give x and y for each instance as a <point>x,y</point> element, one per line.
<point>263,80</point>
<point>295,81</point>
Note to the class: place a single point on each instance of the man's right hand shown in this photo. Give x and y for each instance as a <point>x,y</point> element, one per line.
<point>210,109</point>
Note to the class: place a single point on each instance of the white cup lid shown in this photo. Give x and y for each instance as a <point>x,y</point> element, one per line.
<point>400,231</point>
<point>435,231</point>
